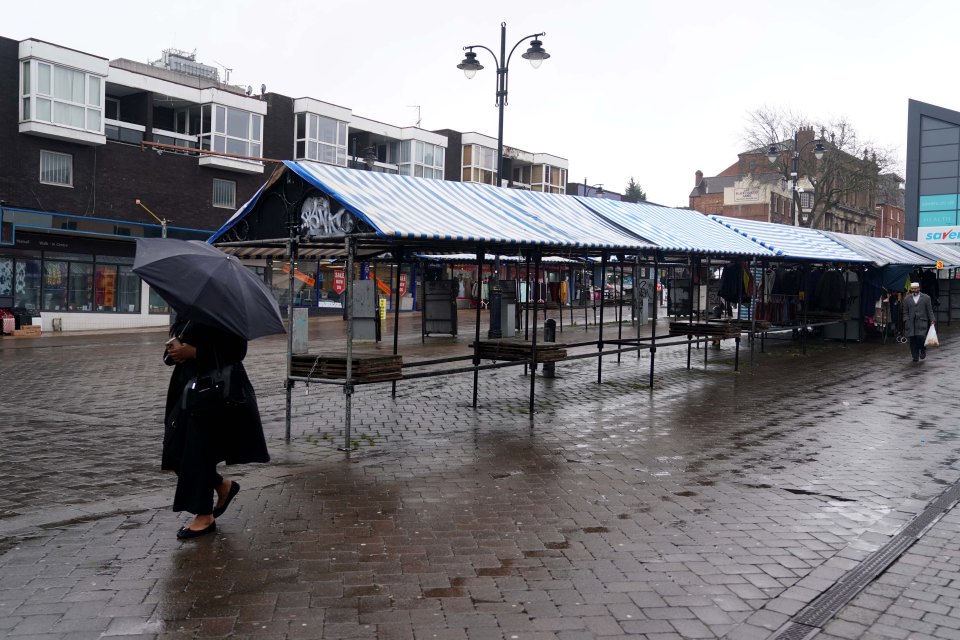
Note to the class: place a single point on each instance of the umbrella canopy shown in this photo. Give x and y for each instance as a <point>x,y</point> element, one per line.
<point>204,284</point>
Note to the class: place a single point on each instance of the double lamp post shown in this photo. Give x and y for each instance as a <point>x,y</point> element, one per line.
<point>773,154</point>
<point>536,55</point>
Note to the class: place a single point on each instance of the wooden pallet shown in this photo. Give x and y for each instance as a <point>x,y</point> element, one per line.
<point>510,350</point>
<point>27,331</point>
<point>364,368</point>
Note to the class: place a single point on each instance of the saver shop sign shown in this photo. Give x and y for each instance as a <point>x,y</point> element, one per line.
<point>940,234</point>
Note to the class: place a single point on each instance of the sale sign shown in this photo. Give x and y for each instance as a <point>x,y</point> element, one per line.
<point>402,284</point>
<point>339,282</point>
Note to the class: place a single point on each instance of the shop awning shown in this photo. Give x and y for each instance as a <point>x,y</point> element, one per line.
<point>799,243</point>
<point>948,255</point>
<point>471,258</point>
<point>404,207</point>
<point>881,251</point>
<point>674,230</point>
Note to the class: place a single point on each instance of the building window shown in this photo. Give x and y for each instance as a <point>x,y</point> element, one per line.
<point>549,179</point>
<point>62,96</point>
<point>321,138</point>
<point>421,159</point>
<point>232,131</point>
<point>56,168</point>
<point>224,193</point>
<point>479,164</point>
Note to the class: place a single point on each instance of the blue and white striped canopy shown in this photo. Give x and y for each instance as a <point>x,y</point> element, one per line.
<point>404,207</point>
<point>471,258</point>
<point>881,251</point>
<point>674,229</point>
<point>786,241</point>
<point>947,254</point>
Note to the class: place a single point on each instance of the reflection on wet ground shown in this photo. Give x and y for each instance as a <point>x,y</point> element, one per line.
<point>615,510</point>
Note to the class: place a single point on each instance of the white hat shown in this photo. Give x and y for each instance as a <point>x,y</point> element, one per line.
<point>914,284</point>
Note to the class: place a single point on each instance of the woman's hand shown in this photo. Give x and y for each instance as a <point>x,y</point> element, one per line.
<point>182,353</point>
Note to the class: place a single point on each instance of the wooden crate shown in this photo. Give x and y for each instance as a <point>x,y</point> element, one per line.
<point>509,350</point>
<point>363,368</point>
<point>27,331</point>
<point>710,329</point>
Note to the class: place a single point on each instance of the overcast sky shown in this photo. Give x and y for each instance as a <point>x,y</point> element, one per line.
<point>652,90</point>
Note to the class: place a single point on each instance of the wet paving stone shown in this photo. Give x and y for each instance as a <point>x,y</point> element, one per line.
<point>697,509</point>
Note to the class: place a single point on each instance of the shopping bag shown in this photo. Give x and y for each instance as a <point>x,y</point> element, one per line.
<point>932,340</point>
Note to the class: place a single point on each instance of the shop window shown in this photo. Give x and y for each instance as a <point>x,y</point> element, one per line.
<point>26,283</point>
<point>55,274</point>
<point>56,168</point>
<point>128,290</point>
<point>158,304</point>
<point>79,286</point>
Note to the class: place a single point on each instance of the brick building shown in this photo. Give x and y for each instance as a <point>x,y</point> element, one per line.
<point>97,152</point>
<point>753,188</point>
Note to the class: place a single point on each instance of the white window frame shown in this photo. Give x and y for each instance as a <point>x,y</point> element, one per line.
<point>233,193</point>
<point>32,94</point>
<point>481,159</point>
<point>218,138</point>
<point>413,159</point>
<point>310,144</point>
<point>62,157</point>
<point>554,179</point>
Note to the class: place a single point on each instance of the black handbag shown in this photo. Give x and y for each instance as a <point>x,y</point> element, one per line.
<point>207,389</point>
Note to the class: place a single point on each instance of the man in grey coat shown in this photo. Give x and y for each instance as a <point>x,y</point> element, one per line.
<point>917,319</point>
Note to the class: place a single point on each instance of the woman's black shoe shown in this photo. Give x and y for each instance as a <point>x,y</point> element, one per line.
<point>186,534</point>
<point>234,490</point>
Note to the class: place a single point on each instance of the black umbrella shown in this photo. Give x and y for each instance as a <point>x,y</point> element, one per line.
<point>204,284</point>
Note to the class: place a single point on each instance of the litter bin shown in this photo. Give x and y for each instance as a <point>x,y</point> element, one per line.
<point>550,335</point>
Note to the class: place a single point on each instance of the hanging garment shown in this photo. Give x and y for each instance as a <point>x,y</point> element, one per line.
<point>930,286</point>
<point>564,294</point>
<point>830,293</point>
<point>554,291</point>
<point>736,283</point>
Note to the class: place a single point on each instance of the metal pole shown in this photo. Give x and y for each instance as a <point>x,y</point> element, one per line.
<point>603,291</point>
<point>620,259</point>
<point>794,176</point>
<point>572,294</point>
<point>396,314</point>
<point>583,285</point>
<point>530,293</point>
<point>533,346</point>
<point>639,302</point>
<point>753,315</point>
<point>656,312</point>
<point>476,333</point>
<point>348,384</point>
<point>805,303</point>
<point>288,384</point>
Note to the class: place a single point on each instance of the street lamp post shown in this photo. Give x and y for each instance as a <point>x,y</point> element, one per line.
<point>773,153</point>
<point>536,55</point>
<point>597,189</point>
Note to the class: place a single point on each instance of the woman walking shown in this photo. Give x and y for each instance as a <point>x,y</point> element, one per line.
<point>201,432</point>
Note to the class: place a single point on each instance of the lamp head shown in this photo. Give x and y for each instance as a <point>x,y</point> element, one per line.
<point>535,54</point>
<point>819,150</point>
<point>470,66</point>
<point>773,153</point>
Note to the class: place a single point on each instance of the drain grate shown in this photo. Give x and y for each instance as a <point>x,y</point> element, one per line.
<point>797,631</point>
<point>826,606</point>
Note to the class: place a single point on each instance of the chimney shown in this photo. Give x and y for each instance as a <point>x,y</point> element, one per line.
<point>699,175</point>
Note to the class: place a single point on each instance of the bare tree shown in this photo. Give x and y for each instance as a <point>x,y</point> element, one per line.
<point>849,169</point>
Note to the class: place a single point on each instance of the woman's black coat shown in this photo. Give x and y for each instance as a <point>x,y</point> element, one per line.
<point>234,423</point>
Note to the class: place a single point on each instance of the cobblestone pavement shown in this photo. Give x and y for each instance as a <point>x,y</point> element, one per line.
<point>718,504</point>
